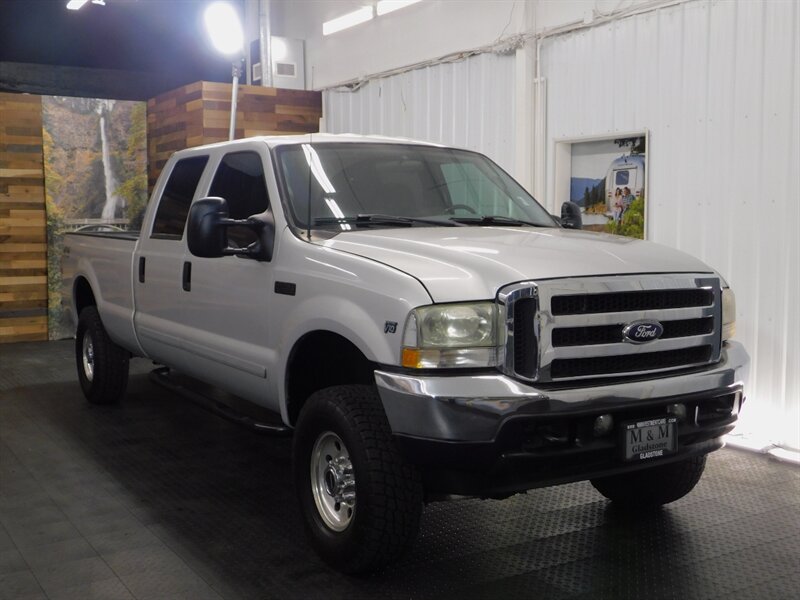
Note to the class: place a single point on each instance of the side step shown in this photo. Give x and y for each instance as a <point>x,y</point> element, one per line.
<point>221,403</point>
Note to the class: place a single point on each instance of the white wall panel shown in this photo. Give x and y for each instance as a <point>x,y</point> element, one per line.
<point>717,85</point>
<point>468,104</point>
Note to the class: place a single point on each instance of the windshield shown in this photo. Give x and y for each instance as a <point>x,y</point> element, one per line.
<point>364,184</point>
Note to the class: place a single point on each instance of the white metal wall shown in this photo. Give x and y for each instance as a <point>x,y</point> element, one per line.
<point>469,104</point>
<point>717,84</point>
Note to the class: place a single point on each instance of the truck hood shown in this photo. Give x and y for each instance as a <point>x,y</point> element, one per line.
<point>472,263</point>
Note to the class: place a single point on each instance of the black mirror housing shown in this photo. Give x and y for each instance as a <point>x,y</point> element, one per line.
<point>571,216</point>
<point>206,233</point>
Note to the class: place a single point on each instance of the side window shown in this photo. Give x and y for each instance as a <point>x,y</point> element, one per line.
<point>240,181</point>
<point>173,208</point>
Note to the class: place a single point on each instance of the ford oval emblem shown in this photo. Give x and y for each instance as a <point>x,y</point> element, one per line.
<point>641,332</point>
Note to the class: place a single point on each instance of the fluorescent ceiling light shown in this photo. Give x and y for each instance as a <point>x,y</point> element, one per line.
<point>362,15</point>
<point>224,28</point>
<point>76,4</point>
<point>384,7</point>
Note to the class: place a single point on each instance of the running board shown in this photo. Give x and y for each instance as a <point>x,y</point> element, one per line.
<point>203,395</point>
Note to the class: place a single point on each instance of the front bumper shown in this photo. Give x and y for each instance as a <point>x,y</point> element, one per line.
<point>490,434</point>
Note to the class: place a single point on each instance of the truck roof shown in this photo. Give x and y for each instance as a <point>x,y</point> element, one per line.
<point>317,138</point>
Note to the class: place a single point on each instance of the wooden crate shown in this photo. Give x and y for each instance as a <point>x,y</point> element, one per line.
<point>199,113</point>
<point>23,239</point>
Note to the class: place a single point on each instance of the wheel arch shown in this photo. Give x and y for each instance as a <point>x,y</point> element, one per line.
<point>82,295</point>
<point>320,359</point>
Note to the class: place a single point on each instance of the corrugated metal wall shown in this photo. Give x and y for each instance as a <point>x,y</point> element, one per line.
<point>717,84</point>
<point>469,104</point>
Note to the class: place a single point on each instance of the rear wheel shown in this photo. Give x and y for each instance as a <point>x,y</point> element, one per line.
<point>102,365</point>
<point>654,486</point>
<point>361,501</point>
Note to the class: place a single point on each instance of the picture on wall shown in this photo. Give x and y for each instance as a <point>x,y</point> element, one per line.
<point>95,164</point>
<point>607,181</point>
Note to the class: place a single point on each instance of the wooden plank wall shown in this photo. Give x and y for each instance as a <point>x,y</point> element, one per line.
<point>23,239</point>
<point>199,113</point>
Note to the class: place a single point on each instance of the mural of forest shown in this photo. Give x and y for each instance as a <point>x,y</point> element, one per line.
<point>95,159</point>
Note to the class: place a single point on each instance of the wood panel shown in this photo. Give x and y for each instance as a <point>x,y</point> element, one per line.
<point>199,113</point>
<point>23,239</point>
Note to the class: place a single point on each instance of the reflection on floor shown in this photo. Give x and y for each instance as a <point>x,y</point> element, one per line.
<point>157,498</point>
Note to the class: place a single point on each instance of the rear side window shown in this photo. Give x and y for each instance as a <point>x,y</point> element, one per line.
<point>240,181</point>
<point>177,198</point>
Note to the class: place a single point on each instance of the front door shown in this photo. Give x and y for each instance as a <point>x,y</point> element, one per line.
<point>227,307</point>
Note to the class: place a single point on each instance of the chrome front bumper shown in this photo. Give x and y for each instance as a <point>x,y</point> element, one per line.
<point>473,408</point>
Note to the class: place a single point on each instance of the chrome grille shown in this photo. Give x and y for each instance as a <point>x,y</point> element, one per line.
<point>564,329</point>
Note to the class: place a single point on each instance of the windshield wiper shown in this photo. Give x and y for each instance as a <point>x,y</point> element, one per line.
<point>380,219</point>
<point>495,220</point>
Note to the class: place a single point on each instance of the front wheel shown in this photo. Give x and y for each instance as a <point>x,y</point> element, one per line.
<point>102,365</point>
<point>652,487</point>
<point>361,501</point>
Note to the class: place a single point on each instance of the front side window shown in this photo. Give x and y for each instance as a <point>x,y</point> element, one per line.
<point>240,181</point>
<point>330,184</point>
<point>173,208</point>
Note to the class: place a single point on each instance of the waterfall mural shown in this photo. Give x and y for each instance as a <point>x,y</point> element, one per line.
<point>95,159</point>
<point>110,182</point>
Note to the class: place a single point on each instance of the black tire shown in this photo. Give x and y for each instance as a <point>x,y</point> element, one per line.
<point>105,381</point>
<point>652,487</point>
<point>388,491</point>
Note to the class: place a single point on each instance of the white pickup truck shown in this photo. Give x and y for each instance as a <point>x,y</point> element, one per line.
<point>419,322</point>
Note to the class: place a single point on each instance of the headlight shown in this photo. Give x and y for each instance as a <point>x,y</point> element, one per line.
<point>728,314</point>
<point>451,335</point>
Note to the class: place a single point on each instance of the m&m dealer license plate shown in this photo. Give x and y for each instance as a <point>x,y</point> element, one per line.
<point>654,438</point>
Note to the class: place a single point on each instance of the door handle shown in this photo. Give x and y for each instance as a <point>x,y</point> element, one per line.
<point>187,276</point>
<point>141,269</point>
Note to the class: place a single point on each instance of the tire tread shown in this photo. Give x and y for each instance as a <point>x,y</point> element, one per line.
<point>395,487</point>
<point>654,486</point>
<point>111,362</point>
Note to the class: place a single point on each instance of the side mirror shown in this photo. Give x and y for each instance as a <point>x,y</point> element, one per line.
<point>571,216</point>
<point>206,233</point>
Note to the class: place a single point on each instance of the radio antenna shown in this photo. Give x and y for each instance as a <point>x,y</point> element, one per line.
<point>308,219</point>
<point>311,143</point>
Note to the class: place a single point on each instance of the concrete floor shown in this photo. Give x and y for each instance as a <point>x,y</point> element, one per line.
<point>157,498</point>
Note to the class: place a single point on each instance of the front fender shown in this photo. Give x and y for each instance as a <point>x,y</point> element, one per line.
<point>344,294</point>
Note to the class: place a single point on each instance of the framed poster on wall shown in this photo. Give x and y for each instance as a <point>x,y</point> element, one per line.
<point>607,178</point>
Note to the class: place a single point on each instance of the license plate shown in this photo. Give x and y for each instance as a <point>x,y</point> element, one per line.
<point>654,438</point>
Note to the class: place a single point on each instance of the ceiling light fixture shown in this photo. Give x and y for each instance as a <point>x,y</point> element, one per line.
<point>362,15</point>
<point>224,28</point>
<point>384,7</point>
<point>75,4</point>
<point>225,31</point>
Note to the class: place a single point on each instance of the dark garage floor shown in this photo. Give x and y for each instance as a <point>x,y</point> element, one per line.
<point>158,498</point>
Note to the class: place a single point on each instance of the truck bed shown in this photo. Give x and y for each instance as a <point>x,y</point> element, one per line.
<point>108,256</point>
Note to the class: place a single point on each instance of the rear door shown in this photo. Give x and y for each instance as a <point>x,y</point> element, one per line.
<point>159,297</point>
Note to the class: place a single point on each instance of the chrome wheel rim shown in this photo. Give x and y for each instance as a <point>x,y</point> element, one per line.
<point>333,481</point>
<point>88,357</point>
